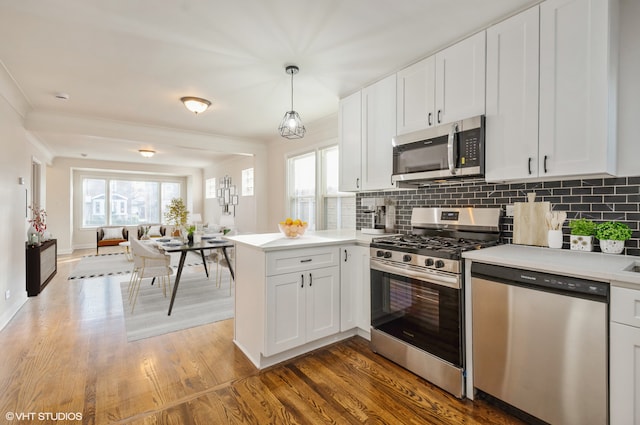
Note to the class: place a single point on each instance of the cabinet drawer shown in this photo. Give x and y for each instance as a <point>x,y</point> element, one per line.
<point>289,261</point>
<point>625,306</point>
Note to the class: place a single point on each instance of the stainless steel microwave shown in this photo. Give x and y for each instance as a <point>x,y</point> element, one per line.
<point>443,152</point>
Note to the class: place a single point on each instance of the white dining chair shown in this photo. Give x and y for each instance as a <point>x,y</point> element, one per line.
<point>148,262</point>
<point>217,257</point>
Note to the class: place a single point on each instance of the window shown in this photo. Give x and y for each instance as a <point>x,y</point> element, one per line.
<point>210,188</point>
<point>313,191</point>
<point>114,201</point>
<point>247,182</point>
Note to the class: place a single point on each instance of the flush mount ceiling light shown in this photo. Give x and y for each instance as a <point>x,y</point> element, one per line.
<point>291,126</point>
<point>147,153</point>
<point>196,105</point>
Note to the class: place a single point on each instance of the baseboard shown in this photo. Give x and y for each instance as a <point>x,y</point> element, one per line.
<point>6,316</point>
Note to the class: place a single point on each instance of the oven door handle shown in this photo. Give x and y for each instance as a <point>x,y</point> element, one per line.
<point>425,275</point>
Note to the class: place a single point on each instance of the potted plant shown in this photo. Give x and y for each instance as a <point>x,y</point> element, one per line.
<point>176,215</point>
<point>612,235</point>
<point>190,230</point>
<point>582,231</point>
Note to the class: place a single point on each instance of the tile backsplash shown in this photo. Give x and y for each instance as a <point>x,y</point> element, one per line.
<point>598,199</point>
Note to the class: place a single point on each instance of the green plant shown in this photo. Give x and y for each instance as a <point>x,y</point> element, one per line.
<point>176,213</point>
<point>582,227</point>
<point>613,230</point>
<point>191,229</point>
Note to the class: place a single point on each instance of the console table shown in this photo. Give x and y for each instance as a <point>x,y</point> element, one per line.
<point>42,265</point>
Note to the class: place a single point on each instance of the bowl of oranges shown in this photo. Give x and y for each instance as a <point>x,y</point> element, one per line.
<point>293,228</point>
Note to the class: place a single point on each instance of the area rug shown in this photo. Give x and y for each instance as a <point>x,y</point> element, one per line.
<point>198,302</point>
<point>117,264</point>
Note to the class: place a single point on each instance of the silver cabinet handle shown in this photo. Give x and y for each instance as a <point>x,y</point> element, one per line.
<point>450,148</point>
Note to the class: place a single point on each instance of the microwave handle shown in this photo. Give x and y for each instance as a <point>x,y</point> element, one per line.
<point>451,154</point>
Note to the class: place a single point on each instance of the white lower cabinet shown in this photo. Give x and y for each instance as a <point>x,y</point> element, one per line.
<point>624,357</point>
<point>355,307</point>
<point>303,305</point>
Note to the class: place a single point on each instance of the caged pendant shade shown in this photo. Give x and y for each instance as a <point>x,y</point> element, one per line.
<point>291,126</point>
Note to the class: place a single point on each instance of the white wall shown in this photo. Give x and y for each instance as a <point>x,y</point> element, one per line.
<point>246,218</point>
<point>15,162</point>
<point>318,134</point>
<point>60,190</point>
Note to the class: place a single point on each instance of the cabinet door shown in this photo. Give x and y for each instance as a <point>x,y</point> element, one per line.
<point>460,80</point>
<point>285,307</point>
<point>624,393</point>
<point>322,292</point>
<point>416,97</point>
<point>349,140</point>
<point>378,128</point>
<point>574,87</point>
<point>512,97</point>
<point>350,287</point>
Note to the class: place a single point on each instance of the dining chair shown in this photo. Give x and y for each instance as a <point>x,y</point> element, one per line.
<point>217,257</point>
<point>148,262</point>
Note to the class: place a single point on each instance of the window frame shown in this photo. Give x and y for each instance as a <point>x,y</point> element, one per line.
<point>320,195</point>
<point>78,198</point>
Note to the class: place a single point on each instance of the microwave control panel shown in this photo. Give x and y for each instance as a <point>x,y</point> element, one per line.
<point>470,146</point>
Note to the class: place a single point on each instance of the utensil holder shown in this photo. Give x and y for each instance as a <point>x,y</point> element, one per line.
<point>554,239</point>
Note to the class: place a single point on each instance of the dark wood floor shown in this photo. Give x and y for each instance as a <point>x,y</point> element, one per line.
<point>66,351</point>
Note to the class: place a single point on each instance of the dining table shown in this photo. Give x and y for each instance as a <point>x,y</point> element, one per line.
<point>184,248</point>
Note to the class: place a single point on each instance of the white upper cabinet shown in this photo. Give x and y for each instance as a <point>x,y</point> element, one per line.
<point>350,142</point>
<point>378,128</point>
<point>577,87</point>
<point>416,94</point>
<point>442,88</point>
<point>512,97</point>
<point>460,80</point>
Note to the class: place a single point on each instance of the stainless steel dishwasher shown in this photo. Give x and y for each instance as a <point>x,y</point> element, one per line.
<point>540,343</point>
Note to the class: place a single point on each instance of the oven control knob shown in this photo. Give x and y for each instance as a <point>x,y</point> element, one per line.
<point>387,254</point>
<point>428,262</point>
<point>406,258</point>
<point>439,264</point>
<point>379,253</point>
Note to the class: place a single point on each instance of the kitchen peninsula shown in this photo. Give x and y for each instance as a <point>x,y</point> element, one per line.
<point>296,295</point>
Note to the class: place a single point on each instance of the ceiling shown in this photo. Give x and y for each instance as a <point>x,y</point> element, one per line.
<point>125,64</point>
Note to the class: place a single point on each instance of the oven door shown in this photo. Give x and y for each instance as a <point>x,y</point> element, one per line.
<point>421,308</point>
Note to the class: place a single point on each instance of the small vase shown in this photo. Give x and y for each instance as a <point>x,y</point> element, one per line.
<point>554,239</point>
<point>611,247</point>
<point>33,237</point>
<point>190,238</point>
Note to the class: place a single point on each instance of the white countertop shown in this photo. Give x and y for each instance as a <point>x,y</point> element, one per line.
<point>587,265</point>
<point>277,241</point>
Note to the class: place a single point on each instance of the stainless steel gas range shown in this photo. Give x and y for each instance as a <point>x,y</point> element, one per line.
<point>417,282</point>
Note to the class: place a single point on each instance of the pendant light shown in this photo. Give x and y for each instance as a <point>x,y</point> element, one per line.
<point>291,126</point>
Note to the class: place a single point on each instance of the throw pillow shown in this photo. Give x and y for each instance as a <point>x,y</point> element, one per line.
<point>112,233</point>
<point>154,231</point>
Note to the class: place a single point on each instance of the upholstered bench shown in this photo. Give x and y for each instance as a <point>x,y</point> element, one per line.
<point>111,236</point>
